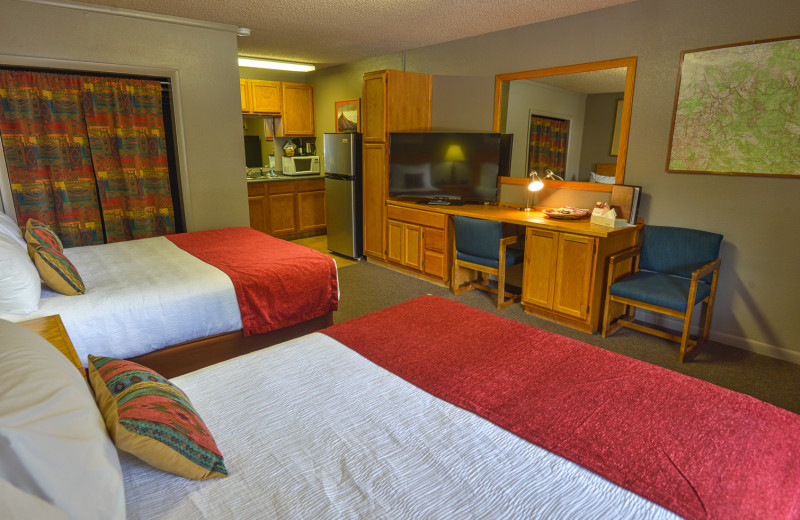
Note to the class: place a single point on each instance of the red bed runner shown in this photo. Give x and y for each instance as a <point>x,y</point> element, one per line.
<point>697,449</point>
<point>277,283</point>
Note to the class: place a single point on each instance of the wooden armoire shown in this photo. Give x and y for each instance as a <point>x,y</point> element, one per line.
<point>392,101</point>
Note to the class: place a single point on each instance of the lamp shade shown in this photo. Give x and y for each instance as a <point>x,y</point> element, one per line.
<point>454,153</point>
<point>536,183</point>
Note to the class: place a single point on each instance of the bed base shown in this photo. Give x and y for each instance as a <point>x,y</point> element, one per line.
<point>191,355</point>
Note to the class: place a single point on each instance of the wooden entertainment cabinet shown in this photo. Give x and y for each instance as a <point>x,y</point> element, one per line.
<point>566,261</point>
<point>393,101</point>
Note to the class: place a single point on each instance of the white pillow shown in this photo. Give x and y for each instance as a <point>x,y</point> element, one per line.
<point>20,286</point>
<point>53,442</point>
<point>10,228</point>
<point>15,503</point>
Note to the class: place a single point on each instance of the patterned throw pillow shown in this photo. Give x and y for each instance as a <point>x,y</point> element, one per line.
<point>153,419</point>
<point>39,234</point>
<point>57,271</point>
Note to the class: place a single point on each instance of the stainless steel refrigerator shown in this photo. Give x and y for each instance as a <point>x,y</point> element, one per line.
<point>342,154</point>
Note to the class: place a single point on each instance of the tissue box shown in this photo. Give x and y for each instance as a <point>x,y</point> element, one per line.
<point>611,221</point>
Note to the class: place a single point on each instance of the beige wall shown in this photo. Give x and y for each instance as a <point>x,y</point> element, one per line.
<point>202,62</point>
<point>758,295</point>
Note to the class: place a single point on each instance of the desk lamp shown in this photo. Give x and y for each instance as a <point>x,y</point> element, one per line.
<point>552,176</point>
<point>536,184</point>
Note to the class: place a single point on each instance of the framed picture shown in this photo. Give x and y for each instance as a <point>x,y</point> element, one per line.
<point>735,110</point>
<point>348,115</point>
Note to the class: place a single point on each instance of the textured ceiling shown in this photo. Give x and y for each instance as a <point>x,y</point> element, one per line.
<point>330,32</point>
<point>593,82</point>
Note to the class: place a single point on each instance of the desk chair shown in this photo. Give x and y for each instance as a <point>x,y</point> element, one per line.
<point>482,249</point>
<point>674,270</point>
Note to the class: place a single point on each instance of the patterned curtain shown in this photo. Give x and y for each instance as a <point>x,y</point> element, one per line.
<point>126,136</point>
<point>86,155</point>
<point>46,147</point>
<point>548,146</point>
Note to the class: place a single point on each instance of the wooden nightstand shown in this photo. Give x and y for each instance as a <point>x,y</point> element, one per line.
<point>52,329</point>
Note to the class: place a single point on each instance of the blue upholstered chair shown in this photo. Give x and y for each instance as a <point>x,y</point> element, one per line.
<point>674,270</point>
<point>482,249</point>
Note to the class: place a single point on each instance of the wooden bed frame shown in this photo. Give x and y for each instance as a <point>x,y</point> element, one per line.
<point>191,355</point>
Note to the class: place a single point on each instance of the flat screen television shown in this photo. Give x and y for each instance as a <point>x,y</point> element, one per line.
<point>447,168</point>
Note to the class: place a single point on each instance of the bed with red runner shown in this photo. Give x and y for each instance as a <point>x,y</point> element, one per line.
<point>277,283</point>
<point>697,449</point>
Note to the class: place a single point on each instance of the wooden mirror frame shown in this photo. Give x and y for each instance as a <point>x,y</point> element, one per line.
<point>627,103</point>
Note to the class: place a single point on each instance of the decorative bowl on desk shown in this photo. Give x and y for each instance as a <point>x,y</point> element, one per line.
<point>565,213</point>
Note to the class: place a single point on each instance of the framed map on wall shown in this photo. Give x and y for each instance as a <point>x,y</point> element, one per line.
<point>737,110</point>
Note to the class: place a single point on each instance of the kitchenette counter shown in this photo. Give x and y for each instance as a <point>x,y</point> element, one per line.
<point>280,177</point>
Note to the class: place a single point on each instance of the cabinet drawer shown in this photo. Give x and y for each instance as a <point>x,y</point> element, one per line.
<point>435,264</point>
<point>281,187</point>
<point>311,185</point>
<point>416,216</point>
<point>256,189</point>
<point>434,239</point>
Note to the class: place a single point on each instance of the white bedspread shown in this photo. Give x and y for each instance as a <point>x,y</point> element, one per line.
<point>310,429</point>
<point>141,295</point>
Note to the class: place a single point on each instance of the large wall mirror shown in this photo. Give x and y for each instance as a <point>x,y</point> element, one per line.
<point>573,120</point>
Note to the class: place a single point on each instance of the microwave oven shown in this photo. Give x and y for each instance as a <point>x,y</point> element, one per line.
<point>301,165</point>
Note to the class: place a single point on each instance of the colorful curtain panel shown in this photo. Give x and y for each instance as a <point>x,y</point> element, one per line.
<point>126,137</point>
<point>86,155</point>
<point>46,147</point>
<point>548,146</point>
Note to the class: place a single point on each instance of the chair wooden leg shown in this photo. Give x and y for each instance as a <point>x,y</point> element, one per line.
<point>685,336</point>
<point>501,284</point>
<point>709,311</point>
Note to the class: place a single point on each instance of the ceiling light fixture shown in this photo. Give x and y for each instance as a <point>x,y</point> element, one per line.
<point>243,31</point>
<point>277,65</point>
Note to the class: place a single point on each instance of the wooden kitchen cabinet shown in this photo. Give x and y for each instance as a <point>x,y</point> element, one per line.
<point>290,207</point>
<point>416,239</point>
<point>260,97</point>
<point>257,202</point>
<point>289,107</point>
<point>282,205</point>
<point>246,97</point>
<point>298,109</point>
<point>392,101</point>
<point>310,205</point>
<point>266,97</point>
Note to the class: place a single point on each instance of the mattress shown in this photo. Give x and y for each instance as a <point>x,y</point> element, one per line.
<point>141,295</point>
<point>311,429</point>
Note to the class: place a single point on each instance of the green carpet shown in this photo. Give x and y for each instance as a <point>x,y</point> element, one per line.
<point>367,287</point>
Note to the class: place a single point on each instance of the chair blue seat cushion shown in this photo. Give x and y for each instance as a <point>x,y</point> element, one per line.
<point>513,257</point>
<point>659,289</point>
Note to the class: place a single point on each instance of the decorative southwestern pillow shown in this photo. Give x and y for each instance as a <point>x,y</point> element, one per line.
<point>153,419</point>
<point>57,271</point>
<point>39,234</point>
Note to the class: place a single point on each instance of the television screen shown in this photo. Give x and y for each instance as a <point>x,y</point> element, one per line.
<point>455,167</point>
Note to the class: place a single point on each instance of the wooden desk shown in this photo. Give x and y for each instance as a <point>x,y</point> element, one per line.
<point>566,261</point>
<point>52,329</point>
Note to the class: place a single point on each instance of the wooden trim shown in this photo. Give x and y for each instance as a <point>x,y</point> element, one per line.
<point>574,185</point>
<point>191,355</point>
